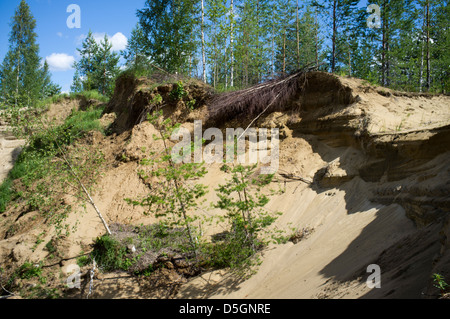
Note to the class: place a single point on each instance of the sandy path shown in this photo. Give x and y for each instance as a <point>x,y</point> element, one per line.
<point>10,148</point>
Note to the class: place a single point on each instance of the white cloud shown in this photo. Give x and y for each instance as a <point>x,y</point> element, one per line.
<point>60,61</point>
<point>59,34</point>
<point>119,40</point>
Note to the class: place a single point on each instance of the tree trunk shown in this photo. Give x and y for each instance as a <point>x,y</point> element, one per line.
<point>284,52</point>
<point>349,57</point>
<point>333,58</point>
<point>428,47</point>
<point>17,78</point>
<point>384,46</point>
<point>273,49</point>
<point>316,39</point>
<point>298,40</point>
<point>18,67</point>
<point>231,44</point>
<point>203,43</point>
<point>422,49</point>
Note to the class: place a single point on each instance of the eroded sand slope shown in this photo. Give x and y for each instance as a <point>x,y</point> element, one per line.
<point>379,165</point>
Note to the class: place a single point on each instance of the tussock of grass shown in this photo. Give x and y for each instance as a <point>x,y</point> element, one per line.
<point>90,95</point>
<point>6,193</point>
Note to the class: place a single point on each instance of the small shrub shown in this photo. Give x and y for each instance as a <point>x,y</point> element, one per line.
<point>29,270</point>
<point>178,93</point>
<point>83,261</point>
<point>157,99</point>
<point>242,199</point>
<point>440,283</point>
<point>110,254</point>
<point>50,246</point>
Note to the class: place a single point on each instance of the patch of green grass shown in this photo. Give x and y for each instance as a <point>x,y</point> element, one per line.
<point>50,246</point>
<point>29,270</point>
<point>83,261</point>
<point>81,122</point>
<point>6,193</point>
<point>90,95</point>
<point>52,100</point>
<point>110,254</point>
<point>34,161</point>
<point>40,292</point>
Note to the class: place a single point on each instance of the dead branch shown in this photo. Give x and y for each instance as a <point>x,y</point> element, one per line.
<point>293,177</point>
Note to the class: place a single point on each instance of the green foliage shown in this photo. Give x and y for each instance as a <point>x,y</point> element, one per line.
<point>40,292</point>
<point>243,200</point>
<point>440,283</point>
<point>168,27</point>
<point>173,197</point>
<point>156,100</point>
<point>29,270</point>
<point>259,39</point>
<point>42,175</point>
<point>6,193</point>
<point>83,261</point>
<point>50,246</point>
<point>90,95</point>
<point>23,82</point>
<point>135,52</point>
<point>232,251</point>
<point>48,88</point>
<point>110,254</point>
<point>178,93</point>
<point>97,68</point>
<point>191,104</point>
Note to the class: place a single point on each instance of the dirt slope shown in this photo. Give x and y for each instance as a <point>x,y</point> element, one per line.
<point>380,194</point>
<point>381,169</point>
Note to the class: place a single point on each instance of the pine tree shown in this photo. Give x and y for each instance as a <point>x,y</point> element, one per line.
<point>135,52</point>
<point>342,14</point>
<point>48,88</point>
<point>217,32</point>
<point>21,82</point>
<point>85,67</point>
<point>364,65</point>
<point>252,49</point>
<point>97,68</point>
<point>440,46</point>
<point>308,41</point>
<point>77,83</point>
<point>168,26</point>
<point>406,49</point>
<point>106,67</point>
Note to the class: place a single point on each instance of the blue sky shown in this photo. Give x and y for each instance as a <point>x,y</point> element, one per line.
<point>57,42</point>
